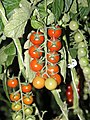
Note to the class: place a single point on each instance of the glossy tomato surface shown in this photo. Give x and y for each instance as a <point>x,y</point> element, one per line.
<point>26,88</point>
<point>54,32</point>
<point>37,38</point>
<point>35,65</point>
<point>12,83</point>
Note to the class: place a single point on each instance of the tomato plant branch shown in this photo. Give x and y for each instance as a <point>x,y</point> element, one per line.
<point>62,105</point>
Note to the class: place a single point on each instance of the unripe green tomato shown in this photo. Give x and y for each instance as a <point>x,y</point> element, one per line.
<point>17,116</point>
<point>86,90</point>
<point>81,44</point>
<point>86,84</point>
<point>50,83</point>
<point>86,70</point>
<point>78,37</point>
<point>83,61</point>
<point>85,96</point>
<point>31,117</point>
<point>28,110</point>
<point>73,25</point>
<point>82,52</point>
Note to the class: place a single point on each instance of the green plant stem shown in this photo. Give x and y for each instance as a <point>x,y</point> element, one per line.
<point>62,105</point>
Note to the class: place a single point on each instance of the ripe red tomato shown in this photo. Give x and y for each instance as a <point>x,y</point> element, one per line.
<point>28,100</point>
<point>53,57</point>
<point>54,45</point>
<point>57,77</point>
<point>37,38</point>
<point>52,69</point>
<point>69,94</point>
<point>26,88</point>
<point>35,65</point>
<point>38,82</point>
<point>14,97</point>
<point>54,32</point>
<point>12,83</point>
<point>35,52</point>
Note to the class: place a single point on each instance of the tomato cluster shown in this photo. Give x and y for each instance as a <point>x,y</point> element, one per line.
<point>47,70</point>
<point>82,47</point>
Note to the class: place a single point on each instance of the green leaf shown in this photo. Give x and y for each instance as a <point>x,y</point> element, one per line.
<point>73,52</point>
<point>5,84</point>
<point>36,24</point>
<point>10,49</point>
<point>50,18</point>
<point>0,69</point>
<point>68,4</point>
<point>16,25</point>
<point>1,25</point>
<point>3,55</point>
<point>73,8</point>
<point>10,60</point>
<point>83,3</point>
<point>57,8</point>
<point>10,5</point>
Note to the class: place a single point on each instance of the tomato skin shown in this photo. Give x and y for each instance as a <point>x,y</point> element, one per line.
<point>54,32</point>
<point>82,52</point>
<point>57,77</point>
<point>83,61</point>
<point>28,100</point>
<point>12,83</point>
<point>26,88</point>
<point>86,70</point>
<point>69,94</point>
<point>35,65</point>
<point>34,52</point>
<point>50,83</point>
<point>14,97</point>
<point>54,46</point>
<point>73,25</point>
<point>53,57</point>
<point>17,116</point>
<point>16,106</point>
<point>37,38</point>
<point>78,37</point>
<point>52,69</point>
<point>28,110</point>
<point>38,82</point>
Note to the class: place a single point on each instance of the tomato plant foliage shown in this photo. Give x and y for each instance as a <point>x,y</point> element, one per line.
<point>45,44</point>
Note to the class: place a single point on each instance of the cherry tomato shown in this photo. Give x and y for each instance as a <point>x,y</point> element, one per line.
<point>35,65</point>
<point>50,83</point>
<point>81,44</point>
<point>37,38</point>
<point>83,61</point>
<point>14,97</point>
<point>57,77</point>
<point>73,25</point>
<point>17,116</point>
<point>35,52</point>
<point>78,37</point>
<point>28,100</point>
<point>12,83</point>
<point>28,110</point>
<point>82,52</point>
<point>53,57</point>
<point>54,45</point>
<point>26,88</point>
<point>86,70</point>
<point>52,69</point>
<point>16,106</point>
<point>54,32</point>
<point>38,82</point>
<point>31,117</point>
<point>69,94</point>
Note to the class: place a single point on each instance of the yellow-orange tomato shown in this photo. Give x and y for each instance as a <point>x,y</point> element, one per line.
<point>26,88</point>
<point>28,100</point>
<point>14,97</point>
<point>12,83</point>
<point>16,106</point>
<point>38,82</point>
